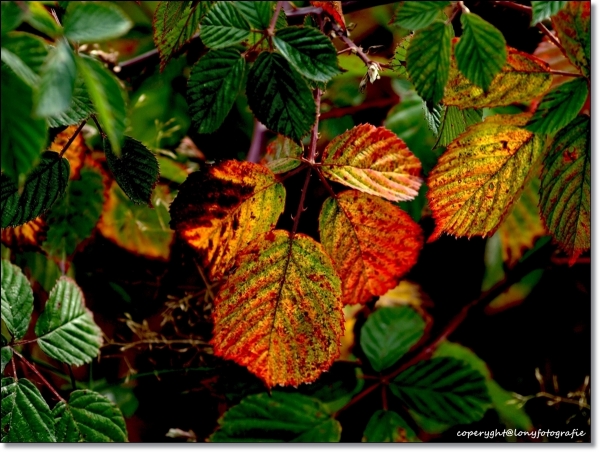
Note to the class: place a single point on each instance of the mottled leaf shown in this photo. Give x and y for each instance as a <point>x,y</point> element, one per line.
<point>482,173</point>
<point>224,26</point>
<point>213,86</point>
<point>66,330</point>
<point>283,155</point>
<point>566,188</point>
<point>573,28</point>
<point>371,242</point>
<point>280,313</point>
<point>388,427</point>
<point>453,122</point>
<point>375,161</point>
<point>220,209</point>
<point>415,15</point>
<point>389,333</point>
<point>398,63</point>
<point>87,22</point>
<point>17,300</point>
<point>277,417</point>
<point>544,10</point>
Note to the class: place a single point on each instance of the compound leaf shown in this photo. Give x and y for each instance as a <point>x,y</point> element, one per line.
<point>87,22</point>
<point>482,173</point>
<point>213,86</point>
<point>372,243</point>
<point>481,51</point>
<point>65,329</point>
<point>17,300</point>
<point>573,27</point>
<point>544,10</point>
<point>224,26</point>
<point>57,83</point>
<point>136,171</point>
<point>279,97</point>
<point>280,312</point>
<point>388,427</point>
<point>375,161</point>
<point>389,333</point>
<point>26,417</point>
<point>220,209</point>
<point>283,155</point>
<point>309,51</point>
<point>566,188</point>
<point>277,417</point>
<point>559,107</point>
<point>416,15</point>
<point>443,389</point>
<point>88,417</point>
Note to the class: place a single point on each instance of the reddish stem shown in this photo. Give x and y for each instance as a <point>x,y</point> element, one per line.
<point>68,143</point>
<point>314,137</point>
<point>39,375</point>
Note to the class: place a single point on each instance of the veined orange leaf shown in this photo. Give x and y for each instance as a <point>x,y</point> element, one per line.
<point>222,208</point>
<point>372,243</point>
<point>283,155</point>
<point>375,161</point>
<point>522,78</point>
<point>566,188</point>
<point>28,236</point>
<point>280,312</point>
<point>482,173</point>
<point>573,27</point>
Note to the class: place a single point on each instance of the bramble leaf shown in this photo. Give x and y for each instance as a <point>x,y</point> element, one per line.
<point>44,185</point>
<point>17,300</point>
<point>416,15</point>
<point>258,14</point>
<point>40,18</point>
<point>24,54</point>
<point>482,173</point>
<point>280,313</point>
<point>87,22</point>
<point>573,28</point>
<point>279,97</point>
<point>213,86</point>
<point>66,330</point>
<point>88,417</point>
<point>80,108</point>
<point>223,26</point>
<point>375,161</point>
<point>57,82</point>
<point>453,121</point>
<point>309,51</point>
<point>136,171</point>
<point>523,78</point>
<point>544,10</point>
<point>388,427</point>
<point>372,243</point>
<point>389,333</point>
<point>481,51</point>
<point>559,107</point>
<point>443,389</point>
<point>283,155</point>
<point>26,417</point>
<point>6,356</point>
<point>398,63</point>
<point>428,61</point>
<point>277,417</point>
<point>12,16</point>
<point>566,188</point>
<point>220,209</point>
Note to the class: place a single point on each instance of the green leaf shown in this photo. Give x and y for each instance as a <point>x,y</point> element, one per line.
<point>279,97</point>
<point>57,83</point>
<point>88,417</point>
<point>453,121</point>
<point>213,86</point>
<point>389,333</point>
<point>388,427</point>
<point>40,18</point>
<point>481,50</point>
<point>559,107</point>
<point>17,300</point>
<point>87,22</point>
<point>12,16</point>
<point>415,15</point>
<point>283,155</point>
<point>81,107</point>
<point>73,218</point>
<point>136,171</point>
<point>108,98</point>
<point>24,54</point>
<point>398,63</point>
<point>46,183</point>
<point>278,417</point>
<point>6,356</point>
<point>224,26</point>
<point>26,417</point>
<point>544,10</point>
<point>443,389</point>
<point>65,329</point>
<point>428,61</point>
<point>309,51</point>
<point>258,14</point>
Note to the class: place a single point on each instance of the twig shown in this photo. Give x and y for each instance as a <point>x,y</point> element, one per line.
<point>72,378</point>
<point>301,203</point>
<point>258,139</point>
<point>14,368</point>
<point>350,43</point>
<point>271,29</point>
<point>301,12</point>
<point>39,375</point>
<point>314,137</point>
<point>550,36</point>
<point>68,143</point>
<point>565,74</point>
<point>98,126</point>
<point>515,6</point>
<point>362,394</point>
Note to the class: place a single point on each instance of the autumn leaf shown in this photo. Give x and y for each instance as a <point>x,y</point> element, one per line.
<point>482,173</point>
<point>372,243</point>
<point>28,236</point>
<point>283,155</point>
<point>573,28</point>
<point>222,208</point>
<point>375,161</point>
<point>76,152</point>
<point>280,312</point>
<point>522,78</point>
<point>334,10</point>
<point>566,188</point>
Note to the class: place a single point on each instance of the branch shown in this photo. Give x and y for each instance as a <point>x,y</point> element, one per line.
<point>314,137</point>
<point>68,143</point>
<point>39,375</point>
<point>258,140</point>
<point>515,6</point>
<point>551,37</point>
<point>271,29</point>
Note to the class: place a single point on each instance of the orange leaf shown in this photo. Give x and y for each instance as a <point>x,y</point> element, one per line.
<point>573,28</point>
<point>557,61</point>
<point>333,9</point>
<point>372,243</point>
<point>482,173</point>
<point>279,313</point>
<point>77,150</point>
<point>222,208</point>
<point>28,236</point>
<point>373,160</point>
